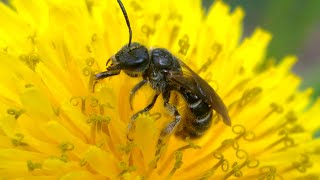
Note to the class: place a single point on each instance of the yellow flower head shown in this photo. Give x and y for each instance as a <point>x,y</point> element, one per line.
<point>57,122</point>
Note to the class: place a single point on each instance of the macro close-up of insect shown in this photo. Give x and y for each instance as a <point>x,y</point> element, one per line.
<point>157,89</point>
<point>165,73</point>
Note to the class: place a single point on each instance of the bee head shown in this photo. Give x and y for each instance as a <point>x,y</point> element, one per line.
<point>132,59</point>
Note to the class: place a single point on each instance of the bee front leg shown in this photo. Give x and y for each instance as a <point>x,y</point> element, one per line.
<point>146,109</point>
<point>102,75</point>
<point>108,73</point>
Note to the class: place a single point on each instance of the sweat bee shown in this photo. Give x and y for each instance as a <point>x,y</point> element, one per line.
<point>165,73</point>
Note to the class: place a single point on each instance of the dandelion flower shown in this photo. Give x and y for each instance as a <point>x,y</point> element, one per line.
<point>53,126</point>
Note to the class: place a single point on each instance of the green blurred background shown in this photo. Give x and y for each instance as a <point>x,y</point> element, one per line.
<point>295,26</point>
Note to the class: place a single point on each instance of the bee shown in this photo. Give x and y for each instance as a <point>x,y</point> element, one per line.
<point>165,73</point>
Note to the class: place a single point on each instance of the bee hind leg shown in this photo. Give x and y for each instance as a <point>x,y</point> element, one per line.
<point>169,129</point>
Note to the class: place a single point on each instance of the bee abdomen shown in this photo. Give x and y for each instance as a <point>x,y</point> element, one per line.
<point>202,123</point>
<point>201,115</point>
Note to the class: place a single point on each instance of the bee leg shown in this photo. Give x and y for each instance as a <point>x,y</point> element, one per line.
<point>146,109</point>
<point>108,73</point>
<point>168,130</point>
<point>135,89</point>
<point>150,106</point>
<point>93,80</point>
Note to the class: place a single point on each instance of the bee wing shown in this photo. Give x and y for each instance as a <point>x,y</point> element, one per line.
<point>193,82</point>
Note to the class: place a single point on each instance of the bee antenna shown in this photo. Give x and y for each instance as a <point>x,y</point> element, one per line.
<point>127,20</point>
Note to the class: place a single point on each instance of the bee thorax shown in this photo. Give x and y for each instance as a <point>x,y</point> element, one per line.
<point>157,81</point>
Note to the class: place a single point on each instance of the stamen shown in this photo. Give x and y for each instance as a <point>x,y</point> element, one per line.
<point>147,30</point>
<point>253,163</point>
<point>89,4</point>
<point>268,172</point>
<point>175,16</point>
<point>127,148</point>
<point>288,142</point>
<point>303,163</point>
<point>237,87</point>
<point>83,162</point>
<point>184,45</point>
<point>290,118</point>
<point>275,108</point>
<point>32,166</point>
<point>15,112</point>
<point>239,130</point>
<point>89,49</point>
<point>126,169</point>
<point>224,164</point>
<point>94,37</point>
<point>75,101</point>
<point>18,140</point>
<point>67,146</point>
<point>87,71</point>
<point>241,154</point>
<point>236,170</point>
<point>213,83</point>
<point>249,96</point>
<point>4,50</point>
<point>174,33</point>
<point>98,119</point>
<point>178,163</point>
<point>33,38</point>
<point>64,158</point>
<point>28,85</point>
<point>216,48</point>
<point>227,143</point>
<point>189,145</point>
<point>242,132</point>
<point>94,102</point>
<point>31,60</point>
<point>90,61</point>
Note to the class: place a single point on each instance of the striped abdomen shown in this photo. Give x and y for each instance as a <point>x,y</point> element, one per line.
<point>199,116</point>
